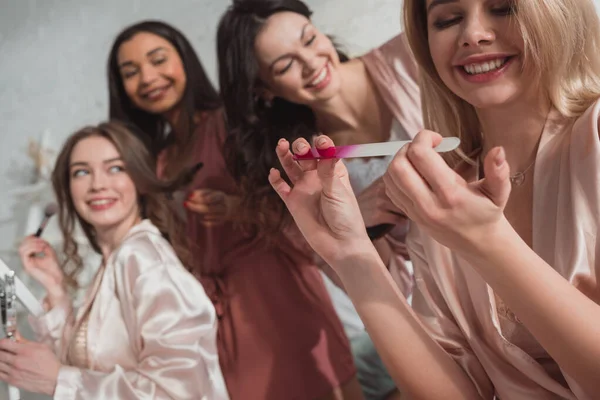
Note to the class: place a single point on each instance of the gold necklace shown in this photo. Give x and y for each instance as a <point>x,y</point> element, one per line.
<point>518,178</point>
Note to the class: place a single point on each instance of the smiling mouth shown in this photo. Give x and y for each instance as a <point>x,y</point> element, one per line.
<point>486,66</point>
<point>101,202</point>
<point>319,78</point>
<point>155,93</point>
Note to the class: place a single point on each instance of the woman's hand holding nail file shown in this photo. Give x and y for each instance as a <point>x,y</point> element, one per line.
<point>371,149</point>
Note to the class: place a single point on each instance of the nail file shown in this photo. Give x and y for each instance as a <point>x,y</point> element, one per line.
<point>371,149</point>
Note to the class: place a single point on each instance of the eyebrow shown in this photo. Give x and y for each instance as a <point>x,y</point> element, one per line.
<point>83,163</point>
<point>148,54</point>
<point>287,55</point>
<point>435,3</point>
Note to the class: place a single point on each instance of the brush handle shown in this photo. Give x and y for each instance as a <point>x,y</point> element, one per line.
<point>38,233</point>
<point>372,149</point>
<point>14,393</point>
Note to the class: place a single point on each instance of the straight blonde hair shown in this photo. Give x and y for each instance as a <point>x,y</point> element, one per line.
<point>561,47</point>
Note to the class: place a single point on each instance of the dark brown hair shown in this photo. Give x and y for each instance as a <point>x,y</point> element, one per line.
<point>199,94</point>
<point>153,193</point>
<point>255,126</point>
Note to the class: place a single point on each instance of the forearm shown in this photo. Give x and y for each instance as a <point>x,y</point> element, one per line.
<point>418,365</point>
<point>51,327</point>
<point>384,249</point>
<point>561,318</point>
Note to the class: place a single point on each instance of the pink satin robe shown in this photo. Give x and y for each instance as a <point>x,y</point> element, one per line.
<point>459,309</point>
<point>152,329</point>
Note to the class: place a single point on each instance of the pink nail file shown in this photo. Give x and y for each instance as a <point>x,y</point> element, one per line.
<point>371,149</point>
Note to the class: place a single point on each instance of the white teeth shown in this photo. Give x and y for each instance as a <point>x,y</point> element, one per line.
<point>473,69</point>
<point>100,202</point>
<point>154,93</point>
<point>322,75</point>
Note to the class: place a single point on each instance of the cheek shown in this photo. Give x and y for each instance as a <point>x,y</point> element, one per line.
<point>78,191</point>
<point>127,189</point>
<point>130,85</point>
<point>288,83</point>
<point>176,71</point>
<point>441,55</point>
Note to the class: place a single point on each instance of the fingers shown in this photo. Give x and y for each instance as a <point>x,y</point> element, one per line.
<point>405,186</point>
<point>279,184</point>
<point>496,184</point>
<point>32,245</point>
<point>401,201</point>
<point>302,147</point>
<point>328,169</point>
<point>430,165</point>
<point>8,348</point>
<point>290,166</point>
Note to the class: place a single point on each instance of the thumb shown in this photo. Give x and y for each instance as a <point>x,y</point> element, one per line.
<point>496,184</point>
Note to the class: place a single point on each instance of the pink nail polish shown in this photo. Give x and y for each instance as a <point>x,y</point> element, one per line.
<point>328,152</point>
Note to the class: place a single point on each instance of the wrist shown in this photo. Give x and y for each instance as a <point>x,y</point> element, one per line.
<point>56,295</point>
<point>494,242</point>
<point>358,253</point>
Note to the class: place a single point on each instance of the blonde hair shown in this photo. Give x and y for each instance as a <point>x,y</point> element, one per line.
<point>561,48</point>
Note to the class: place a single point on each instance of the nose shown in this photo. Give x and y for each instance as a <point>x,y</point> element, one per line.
<point>98,181</point>
<point>477,30</point>
<point>310,61</point>
<point>148,74</point>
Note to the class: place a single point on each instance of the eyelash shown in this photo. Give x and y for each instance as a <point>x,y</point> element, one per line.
<point>502,12</point>
<point>156,62</point>
<point>287,67</point>
<point>119,167</point>
<point>76,173</point>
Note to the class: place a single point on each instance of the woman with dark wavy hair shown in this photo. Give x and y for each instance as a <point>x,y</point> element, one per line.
<point>279,337</point>
<point>281,77</point>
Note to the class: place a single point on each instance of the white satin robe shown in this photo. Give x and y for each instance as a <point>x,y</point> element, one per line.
<point>151,333</point>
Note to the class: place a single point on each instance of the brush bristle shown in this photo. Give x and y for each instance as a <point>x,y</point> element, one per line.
<point>50,210</point>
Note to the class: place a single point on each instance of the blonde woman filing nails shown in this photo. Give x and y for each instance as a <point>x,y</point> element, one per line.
<point>502,244</point>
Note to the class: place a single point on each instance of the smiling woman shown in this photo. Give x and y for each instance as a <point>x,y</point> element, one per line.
<point>126,341</point>
<point>506,267</point>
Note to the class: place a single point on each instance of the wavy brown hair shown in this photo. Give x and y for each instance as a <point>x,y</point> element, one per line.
<point>255,127</point>
<point>153,193</point>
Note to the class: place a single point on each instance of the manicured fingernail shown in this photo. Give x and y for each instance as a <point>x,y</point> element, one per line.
<point>281,141</point>
<point>186,204</point>
<point>322,141</point>
<point>301,147</point>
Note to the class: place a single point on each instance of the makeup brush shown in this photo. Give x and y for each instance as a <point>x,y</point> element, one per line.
<point>49,211</point>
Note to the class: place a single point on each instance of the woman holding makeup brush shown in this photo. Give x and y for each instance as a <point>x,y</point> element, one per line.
<point>146,329</point>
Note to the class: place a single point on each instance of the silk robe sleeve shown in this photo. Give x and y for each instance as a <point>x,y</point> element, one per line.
<point>430,306</point>
<point>171,325</point>
<point>51,327</point>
